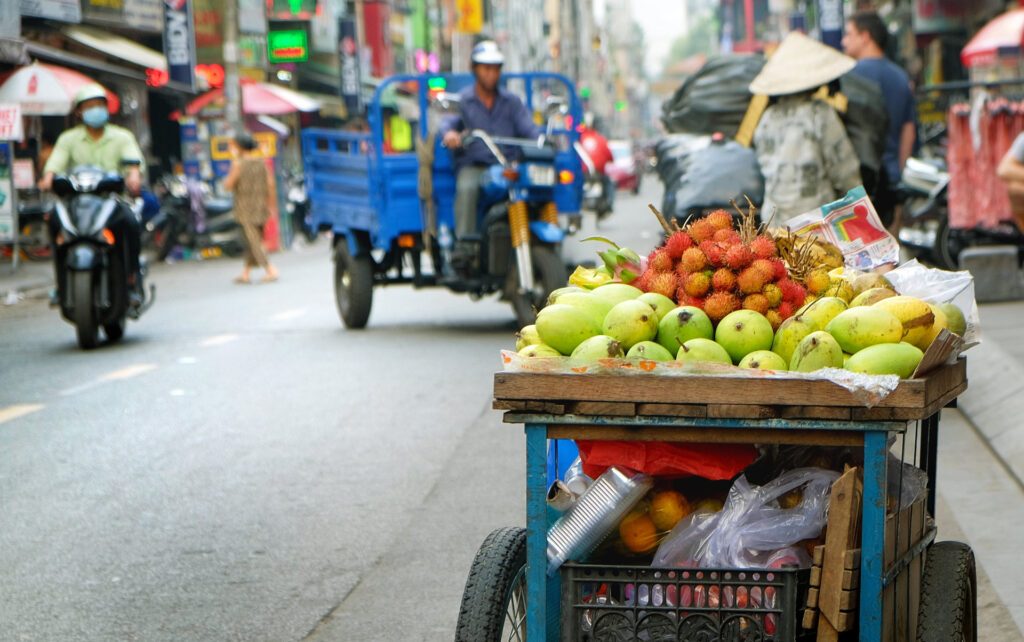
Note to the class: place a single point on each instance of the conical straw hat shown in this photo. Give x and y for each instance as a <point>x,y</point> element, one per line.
<point>800,64</point>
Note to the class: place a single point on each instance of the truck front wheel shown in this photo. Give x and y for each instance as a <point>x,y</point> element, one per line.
<point>353,286</point>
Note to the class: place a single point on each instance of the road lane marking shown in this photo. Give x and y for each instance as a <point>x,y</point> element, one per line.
<point>287,315</point>
<point>74,390</point>
<point>218,340</point>
<point>128,372</point>
<point>10,413</point>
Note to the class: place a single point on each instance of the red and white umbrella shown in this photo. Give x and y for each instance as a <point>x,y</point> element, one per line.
<point>47,90</point>
<point>1003,36</point>
<point>259,98</point>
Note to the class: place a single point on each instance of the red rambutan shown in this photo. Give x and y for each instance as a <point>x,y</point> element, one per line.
<point>700,230</point>
<point>780,270</point>
<point>724,280</point>
<point>678,243</point>
<point>792,293</point>
<point>720,304</point>
<point>719,219</point>
<point>786,310</point>
<point>697,284</point>
<point>756,302</point>
<point>738,257</point>
<point>682,298</point>
<point>714,251</point>
<point>750,281</point>
<point>660,261</point>
<point>763,247</point>
<point>727,236</point>
<point>644,280</point>
<point>663,283</point>
<point>694,260</point>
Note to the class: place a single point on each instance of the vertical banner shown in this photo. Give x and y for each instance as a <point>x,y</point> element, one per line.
<point>7,227</point>
<point>351,80</point>
<point>179,41</point>
<point>830,21</point>
<point>470,16</point>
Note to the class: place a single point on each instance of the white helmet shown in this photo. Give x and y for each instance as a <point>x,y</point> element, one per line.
<point>486,52</point>
<point>91,91</point>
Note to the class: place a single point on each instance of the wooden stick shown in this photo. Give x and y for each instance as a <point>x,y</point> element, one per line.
<point>661,219</point>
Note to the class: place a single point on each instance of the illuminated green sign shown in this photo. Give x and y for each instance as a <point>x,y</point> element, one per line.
<point>290,45</point>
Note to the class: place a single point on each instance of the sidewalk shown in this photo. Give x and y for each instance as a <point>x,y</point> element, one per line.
<point>32,279</point>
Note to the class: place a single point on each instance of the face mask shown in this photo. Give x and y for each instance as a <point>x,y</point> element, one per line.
<point>95,117</point>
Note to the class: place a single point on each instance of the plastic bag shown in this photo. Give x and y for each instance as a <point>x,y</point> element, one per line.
<point>710,461</point>
<point>940,286</point>
<point>906,483</point>
<point>715,98</point>
<point>714,176</point>
<point>851,224</point>
<point>752,526</point>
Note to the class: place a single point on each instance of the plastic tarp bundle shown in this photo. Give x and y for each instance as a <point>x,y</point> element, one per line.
<point>713,176</point>
<point>715,98</point>
<point>710,461</point>
<point>866,119</point>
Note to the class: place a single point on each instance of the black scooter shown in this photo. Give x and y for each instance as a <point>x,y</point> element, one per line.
<point>92,257</point>
<point>209,230</point>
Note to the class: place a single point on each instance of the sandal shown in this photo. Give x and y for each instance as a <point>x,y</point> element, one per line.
<point>241,280</point>
<point>270,278</point>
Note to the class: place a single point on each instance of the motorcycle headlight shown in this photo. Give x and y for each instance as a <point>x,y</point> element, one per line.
<point>540,174</point>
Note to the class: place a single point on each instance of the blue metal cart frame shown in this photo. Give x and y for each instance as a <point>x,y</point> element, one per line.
<point>543,592</point>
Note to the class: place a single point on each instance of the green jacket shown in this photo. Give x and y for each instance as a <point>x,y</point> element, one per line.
<point>116,148</point>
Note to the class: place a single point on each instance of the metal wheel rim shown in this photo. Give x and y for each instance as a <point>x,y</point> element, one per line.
<point>514,625</point>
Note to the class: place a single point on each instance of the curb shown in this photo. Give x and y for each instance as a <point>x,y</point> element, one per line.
<point>994,404</point>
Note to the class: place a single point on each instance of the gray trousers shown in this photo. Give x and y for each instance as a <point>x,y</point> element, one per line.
<point>467,193</point>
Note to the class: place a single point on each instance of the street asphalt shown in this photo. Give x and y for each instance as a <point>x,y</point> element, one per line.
<point>241,467</point>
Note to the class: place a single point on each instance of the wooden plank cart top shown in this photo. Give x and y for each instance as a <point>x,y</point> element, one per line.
<point>717,397</point>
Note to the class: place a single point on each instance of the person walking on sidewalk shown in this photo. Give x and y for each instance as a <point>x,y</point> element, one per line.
<point>255,201</point>
<point>805,155</point>
<point>865,39</point>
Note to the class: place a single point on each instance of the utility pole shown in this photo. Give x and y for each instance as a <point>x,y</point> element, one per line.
<point>232,84</point>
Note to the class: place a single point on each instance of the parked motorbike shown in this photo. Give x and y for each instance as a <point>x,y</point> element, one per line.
<point>598,188</point>
<point>297,207</point>
<point>93,288</point>
<point>189,218</point>
<point>924,231</point>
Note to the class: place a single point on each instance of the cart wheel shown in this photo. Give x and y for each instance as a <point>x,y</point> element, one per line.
<point>494,601</point>
<point>948,595</point>
<point>549,274</point>
<point>353,286</point>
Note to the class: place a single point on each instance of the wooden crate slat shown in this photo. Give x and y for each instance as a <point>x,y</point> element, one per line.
<point>692,411</point>
<point>603,408</point>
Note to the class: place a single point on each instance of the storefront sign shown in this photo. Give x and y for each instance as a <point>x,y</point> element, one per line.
<point>62,10</point>
<point>24,173</point>
<point>323,28</point>
<point>179,41</point>
<point>103,10</point>
<point>348,50</point>
<point>7,227</point>
<point>291,9</point>
<point>287,45</point>
<point>10,122</point>
<point>470,16</point>
<point>252,17</point>
<point>144,15</point>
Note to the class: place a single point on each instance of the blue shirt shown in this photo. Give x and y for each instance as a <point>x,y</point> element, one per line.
<point>508,118</point>
<point>899,104</point>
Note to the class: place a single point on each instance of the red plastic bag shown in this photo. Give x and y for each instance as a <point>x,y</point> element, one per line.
<point>710,461</point>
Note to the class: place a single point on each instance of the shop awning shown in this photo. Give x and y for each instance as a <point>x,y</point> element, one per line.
<point>116,46</point>
<point>258,98</point>
<point>46,52</point>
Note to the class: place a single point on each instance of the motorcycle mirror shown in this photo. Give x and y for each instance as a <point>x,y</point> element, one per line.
<point>62,186</point>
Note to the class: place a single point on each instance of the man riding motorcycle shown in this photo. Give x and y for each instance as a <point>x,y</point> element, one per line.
<point>97,143</point>
<point>486,106</point>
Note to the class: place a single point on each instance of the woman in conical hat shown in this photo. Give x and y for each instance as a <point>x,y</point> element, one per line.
<point>805,155</point>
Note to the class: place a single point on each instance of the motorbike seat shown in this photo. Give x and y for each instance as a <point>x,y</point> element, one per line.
<point>216,206</point>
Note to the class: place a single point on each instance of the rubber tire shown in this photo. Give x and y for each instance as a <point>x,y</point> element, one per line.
<point>165,243</point>
<point>355,298</point>
<point>949,609</point>
<point>115,330</point>
<point>86,324</point>
<point>485,600</point>
<point>548,271</point>
<point>947,250</point>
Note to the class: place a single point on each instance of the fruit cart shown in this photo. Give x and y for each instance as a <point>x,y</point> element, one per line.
<point>895,583</point>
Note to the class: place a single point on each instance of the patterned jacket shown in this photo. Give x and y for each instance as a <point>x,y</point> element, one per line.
<point>805,156</point>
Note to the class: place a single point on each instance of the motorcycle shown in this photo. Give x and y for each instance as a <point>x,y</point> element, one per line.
<point>92,259</point>
<point>925,231</point>
<point>297,207</point>
<point>189,218</point>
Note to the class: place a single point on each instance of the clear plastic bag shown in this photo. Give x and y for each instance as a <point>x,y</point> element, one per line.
<point>906,483</point>
<point>753,525</point>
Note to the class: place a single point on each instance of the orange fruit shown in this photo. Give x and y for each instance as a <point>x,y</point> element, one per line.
<point>710,505</point>
<point>638,532</point>
<point>667,508</point>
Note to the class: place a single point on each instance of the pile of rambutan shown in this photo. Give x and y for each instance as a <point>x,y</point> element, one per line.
<point>712,265</point>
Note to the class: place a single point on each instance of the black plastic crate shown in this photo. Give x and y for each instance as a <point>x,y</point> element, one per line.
<point>602,603</point>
